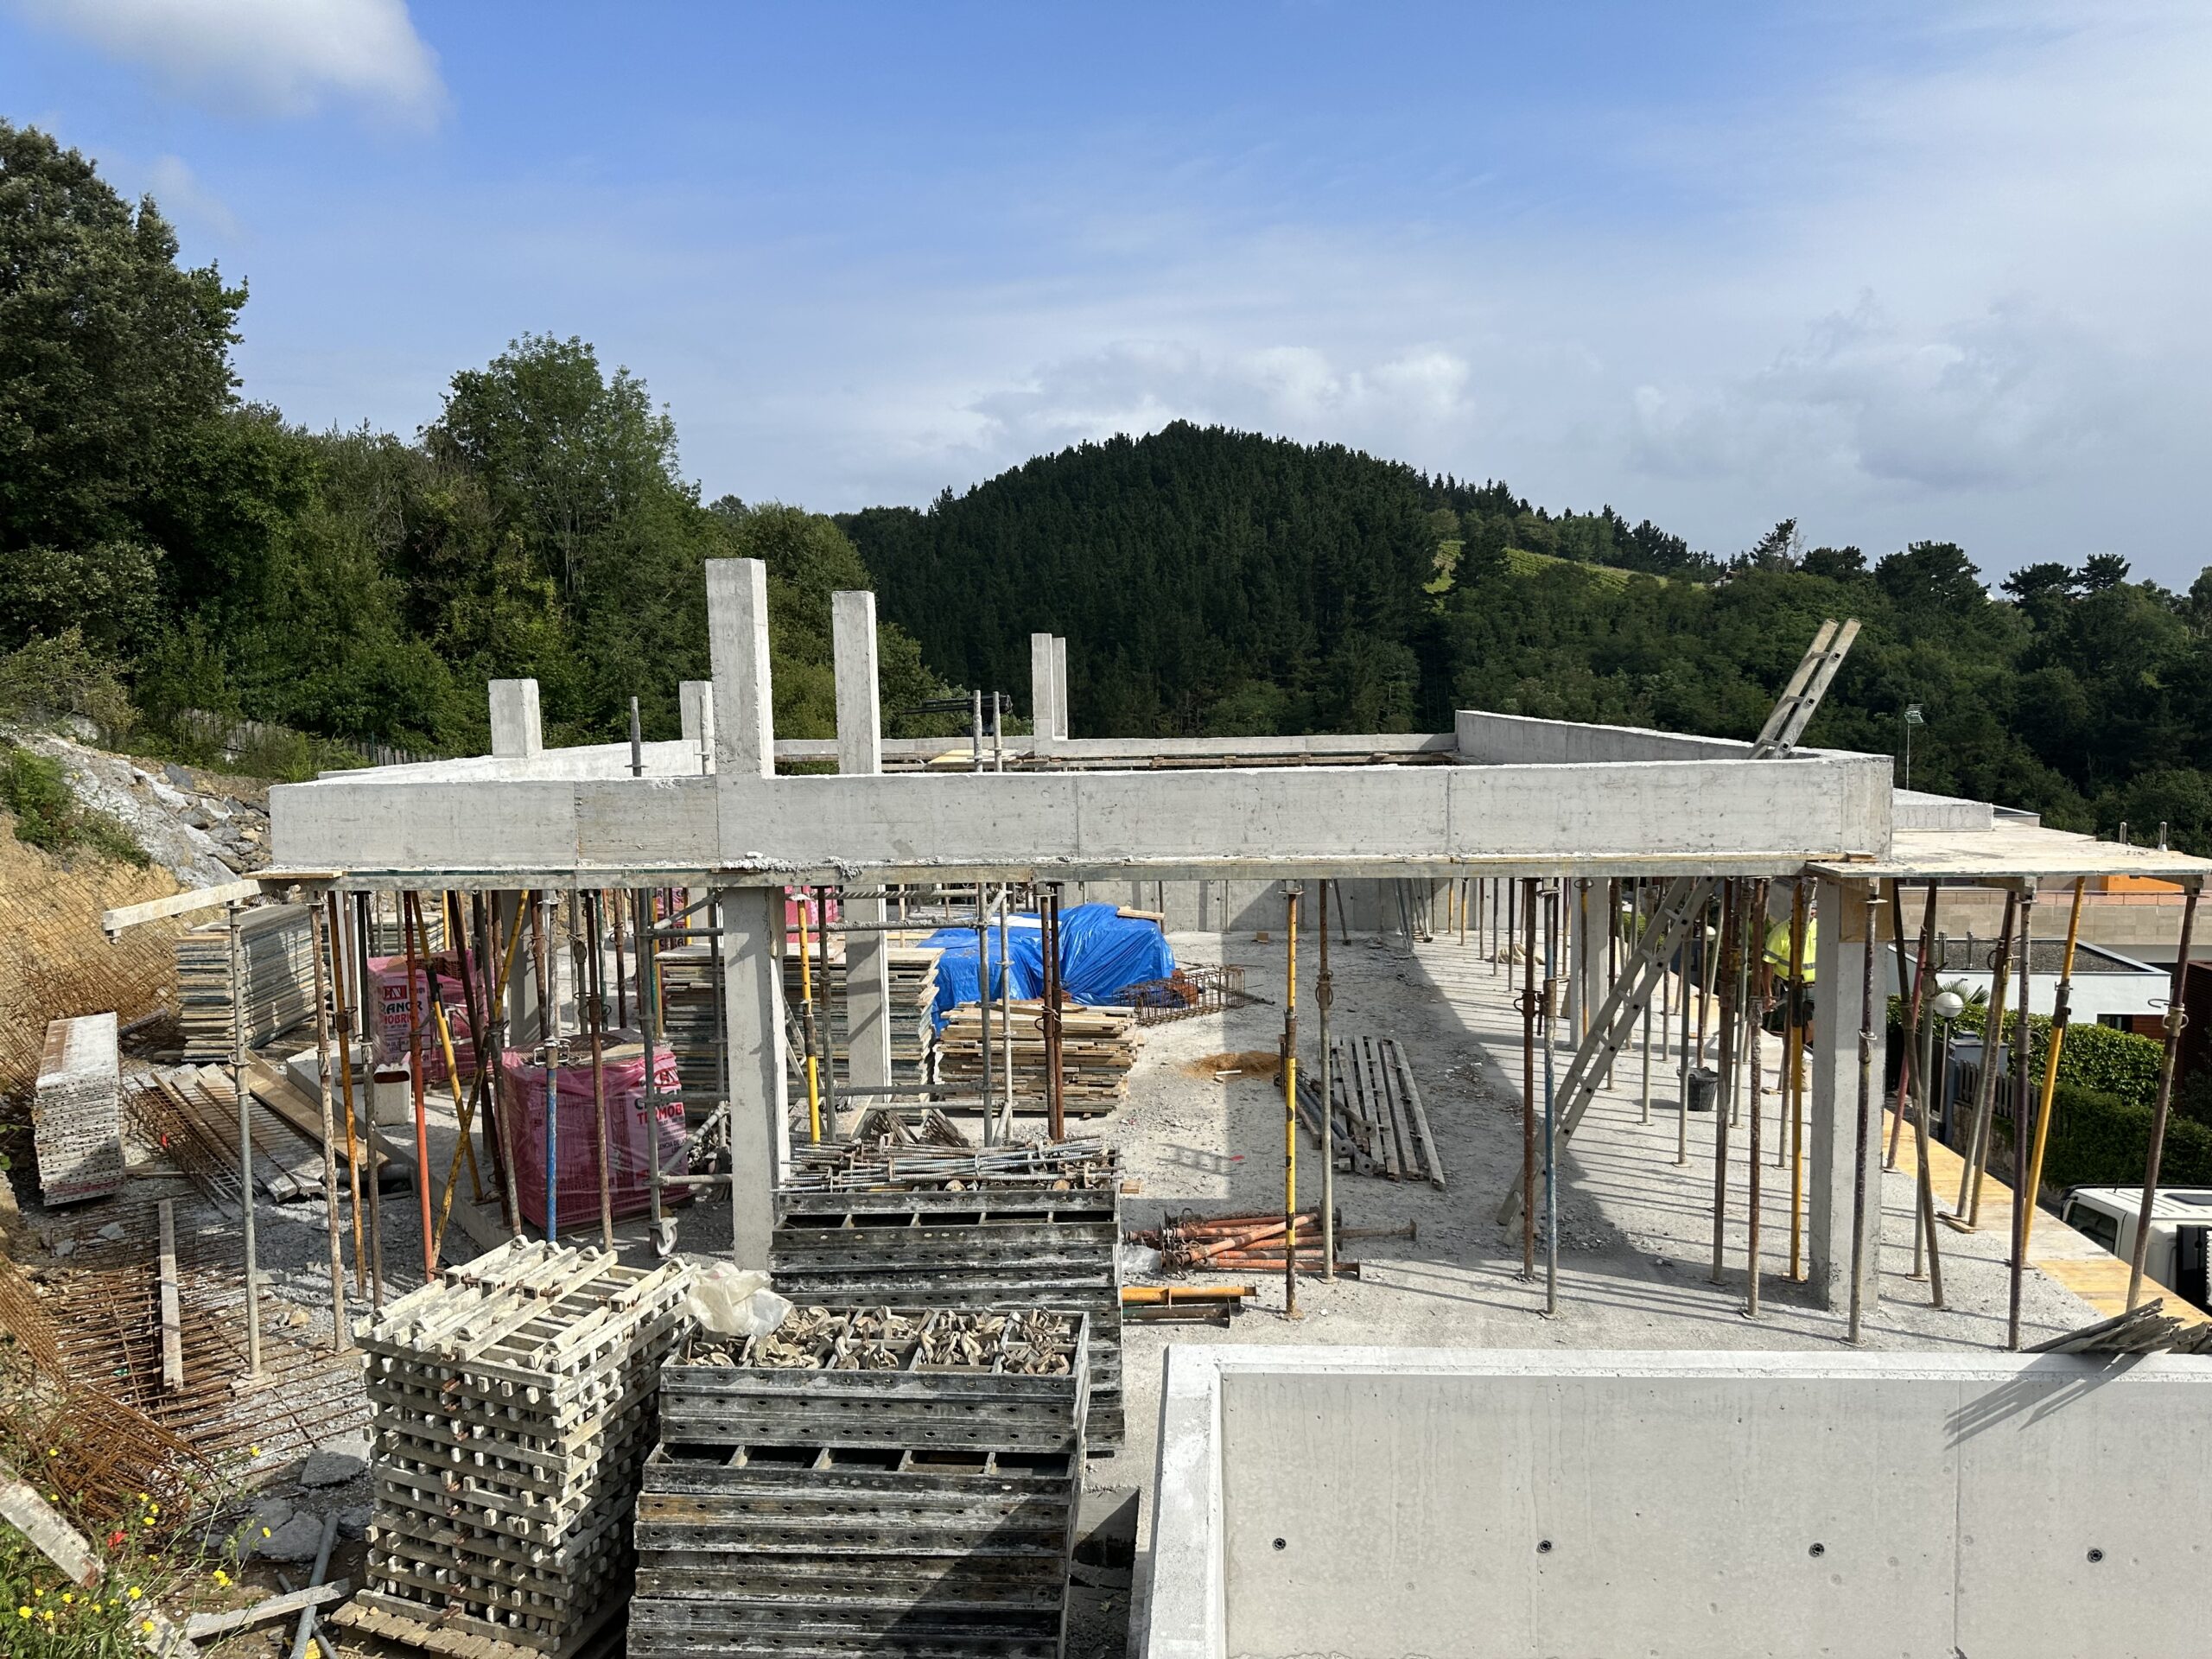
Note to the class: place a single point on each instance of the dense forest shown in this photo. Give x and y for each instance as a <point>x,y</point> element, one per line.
<point>1218,582</point>
<point>167,547</point>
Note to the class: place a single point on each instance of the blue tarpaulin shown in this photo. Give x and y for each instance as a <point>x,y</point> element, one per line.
<point>1100,955</point>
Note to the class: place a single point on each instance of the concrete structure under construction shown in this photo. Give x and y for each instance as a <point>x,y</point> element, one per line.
<point>1500,796</point>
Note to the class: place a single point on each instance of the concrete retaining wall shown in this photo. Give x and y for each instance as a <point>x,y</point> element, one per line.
<point>1376,1504</point>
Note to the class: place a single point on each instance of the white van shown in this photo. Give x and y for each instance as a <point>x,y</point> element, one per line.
<point>2180,1216</point>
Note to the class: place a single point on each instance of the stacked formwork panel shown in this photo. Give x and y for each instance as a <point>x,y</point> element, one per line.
<point>512,1407</point>
<point>928,1232</point>
<point>866,1481</point>
<point>277,980</point>
<point>77,1111</point>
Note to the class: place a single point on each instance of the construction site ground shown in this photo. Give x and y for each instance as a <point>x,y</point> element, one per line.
<point>1202,1131</point>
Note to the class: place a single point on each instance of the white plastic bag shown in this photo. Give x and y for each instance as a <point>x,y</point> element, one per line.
<point>733,1301</point>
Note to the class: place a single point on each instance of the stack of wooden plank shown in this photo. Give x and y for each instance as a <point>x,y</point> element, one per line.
<point>693,1020</point>
<point>277,980</point>
<point>1097,1048</point>
<point>951,1238</point>
<point>1381,1127</point>
<point>512,1406</point>
<point>887,1480</point>
<point>77,1111</point>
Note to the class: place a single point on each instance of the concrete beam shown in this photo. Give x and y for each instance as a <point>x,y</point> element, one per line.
<point>859,753</point>
<point>737,637</point>
<point>1840,944</point>
<point>516,733</point>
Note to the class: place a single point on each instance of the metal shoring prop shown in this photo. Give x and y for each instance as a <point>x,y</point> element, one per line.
<point>245,1148</point>
<point>2062,1010</point>
<point>1529,1076</point>
<point>1992,1041</point>
<point>1006,1006</point>
<point>621,984</point>
<point>338,954</point>
<point>1551,1155</point>
<point>1682,1046</point>
<point>1794,1057</point>
<point>321,940</point>
<point>363,931</point>
<point>1863,1138</point>
<point>1292,892</point>
<point>1731,924</point>
<point>2022,1095</point>
<point>1754,1025</point>
<point>1910,1082</point>
<point>1612,957</point>
<point>811,1062</point>
<point>983,1009</point>
<point>2175,1019</point>
<point>1055,1068</point>
<point>1325,993</point>
<point>408,908</point>
<point>828,1026</point>
<point>552,1035</point>
<point>462,1111</point>
<point>495,1010</point>
<point>664,1234</point>
<point>457,929</point>
<point>1923,1182</point>
<point>1645,1091</point>
<point>593,982</point>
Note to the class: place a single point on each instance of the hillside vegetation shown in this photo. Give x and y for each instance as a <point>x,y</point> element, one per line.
<point>1217,581</point>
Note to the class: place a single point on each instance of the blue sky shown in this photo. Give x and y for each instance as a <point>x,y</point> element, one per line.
<point>1902,271</point>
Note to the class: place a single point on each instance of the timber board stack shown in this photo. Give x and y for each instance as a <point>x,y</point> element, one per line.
<point>931,1233</point>
<point>77,1111</point>
<point>276,973</point>
<point>913,993</point>
<point>692,1023</point>
<point>883,1480</point>
<point>512,1406</point>
<point>1097,1048</point>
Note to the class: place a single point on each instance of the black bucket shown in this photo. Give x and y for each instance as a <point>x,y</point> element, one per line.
<point>1705,1089</point>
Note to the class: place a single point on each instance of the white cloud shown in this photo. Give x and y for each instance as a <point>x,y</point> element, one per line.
<point>179,194</point>
<point>270,57</point>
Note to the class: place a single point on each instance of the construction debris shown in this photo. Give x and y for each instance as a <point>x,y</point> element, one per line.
<point>1382,1128</point>
<point>963,1236</point>
<point>512,1405</point>
<point>1097,1048</point>
<point>76,1112</point>
<point>907,1484</point>
<point>277,980</point>
<point>867,1165</point>
<point>1252,1243</point>
<point>2145,1330</point>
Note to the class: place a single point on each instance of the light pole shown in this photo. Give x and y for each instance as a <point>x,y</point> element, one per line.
<point>1912,718</point>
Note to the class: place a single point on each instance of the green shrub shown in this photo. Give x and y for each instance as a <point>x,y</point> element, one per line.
<point>48,817</point>
<point>2093,1057</point>
<point>2099,1140</point>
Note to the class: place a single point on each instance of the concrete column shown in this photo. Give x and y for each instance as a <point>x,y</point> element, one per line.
<point>860,749</point>
<point>517,734</point>
<point>1838,995</point>
<point>737,637</point>
<point>1585,912</point>
<point>753,1027</point>
<point>1060,689</point>
<point>1044,691</point>
<point>695,700</point>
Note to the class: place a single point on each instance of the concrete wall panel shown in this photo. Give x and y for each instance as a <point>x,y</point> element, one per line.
<point>1376,1504</point>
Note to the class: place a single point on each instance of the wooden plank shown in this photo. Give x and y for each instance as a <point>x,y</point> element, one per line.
<point>204,1625</point>
<point>1430,1155</point>
<point>303,1115</point>
<point>114,921</point>
<point>1386,1122</point>
<point>172,1312</point>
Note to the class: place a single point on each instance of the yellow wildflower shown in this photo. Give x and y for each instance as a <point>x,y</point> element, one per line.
<point>134,1593</point>
<point>22,1612</point>
<point>146,1625</point>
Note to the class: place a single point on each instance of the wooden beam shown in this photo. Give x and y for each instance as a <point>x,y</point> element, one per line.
<point>201,1625</point>
<point>172,1310</point>
<point>113,922</point>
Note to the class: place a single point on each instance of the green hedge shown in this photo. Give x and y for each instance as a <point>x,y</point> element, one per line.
<point>2099,1140</point>
<point>2098,1057</point>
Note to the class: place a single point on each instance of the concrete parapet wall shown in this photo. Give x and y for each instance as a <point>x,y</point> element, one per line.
<point>1376,1502</point>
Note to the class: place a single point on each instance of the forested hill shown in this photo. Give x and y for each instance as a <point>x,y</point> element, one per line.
<point>1217,581</point>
